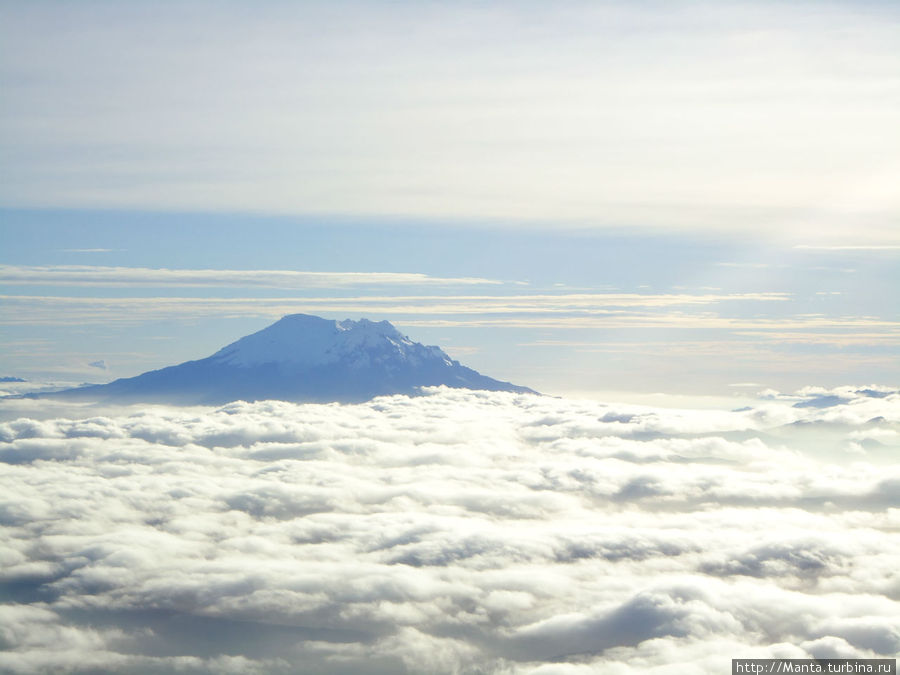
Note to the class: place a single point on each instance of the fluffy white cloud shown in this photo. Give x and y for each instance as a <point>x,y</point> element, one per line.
<point>456,532</point>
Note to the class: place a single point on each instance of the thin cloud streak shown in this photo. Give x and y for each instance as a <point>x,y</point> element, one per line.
<point>616,309</point>
<point>89,275</point>
<point>885,247</point>
<point>90,250</point>
<point>600,311</point>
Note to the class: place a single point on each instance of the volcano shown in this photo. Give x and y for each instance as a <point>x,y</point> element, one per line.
<point>301,358</point>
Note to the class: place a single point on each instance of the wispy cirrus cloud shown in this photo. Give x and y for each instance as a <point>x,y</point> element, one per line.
<point>91,275</point>
<point>840,247</point>
<point>562,309</point>
<point>90,250</point>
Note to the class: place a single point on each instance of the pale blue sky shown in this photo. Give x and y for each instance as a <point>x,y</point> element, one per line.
<point>577,197</point>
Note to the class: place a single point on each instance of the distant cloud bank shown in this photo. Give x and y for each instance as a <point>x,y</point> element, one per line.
<point>460,531</point>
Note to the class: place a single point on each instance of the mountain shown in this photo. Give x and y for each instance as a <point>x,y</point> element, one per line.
<point>301,358</point>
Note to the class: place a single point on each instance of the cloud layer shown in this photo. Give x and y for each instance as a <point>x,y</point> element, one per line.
<point>455,532</point>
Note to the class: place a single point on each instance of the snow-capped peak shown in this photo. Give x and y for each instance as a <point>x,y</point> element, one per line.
<point>304,341</point>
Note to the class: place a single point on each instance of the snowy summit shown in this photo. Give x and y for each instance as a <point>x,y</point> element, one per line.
<point>303,358</point>
<point>304,341</point>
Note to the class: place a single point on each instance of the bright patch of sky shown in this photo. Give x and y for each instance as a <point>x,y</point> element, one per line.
<point>571,196</point>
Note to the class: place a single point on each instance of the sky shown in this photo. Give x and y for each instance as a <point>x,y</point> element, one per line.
<point>579,197</point>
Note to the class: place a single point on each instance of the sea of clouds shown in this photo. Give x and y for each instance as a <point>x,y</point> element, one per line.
<point>457,532</point>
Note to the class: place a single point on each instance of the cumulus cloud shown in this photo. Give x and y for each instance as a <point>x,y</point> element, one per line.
<point>454,532</point>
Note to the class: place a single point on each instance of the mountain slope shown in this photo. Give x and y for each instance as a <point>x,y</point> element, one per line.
<point>302,358</point>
